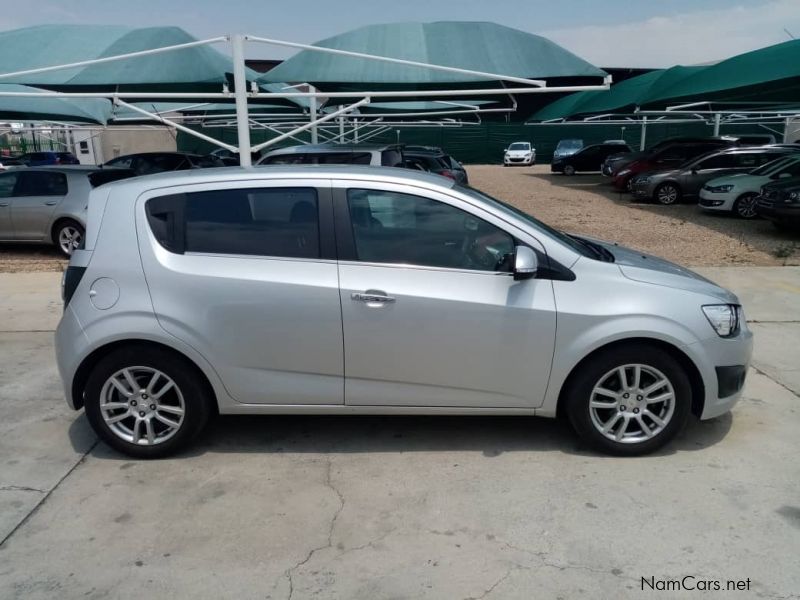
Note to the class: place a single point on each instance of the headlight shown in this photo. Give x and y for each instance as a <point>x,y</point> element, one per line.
<point>724,318</point>
<point>719,189</point>
<point>793,196</point>
<point>623,172</point>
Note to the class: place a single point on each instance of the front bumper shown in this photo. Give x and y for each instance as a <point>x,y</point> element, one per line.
<point>527,162</point>
<point>780,212</point>
<point>723,365</point>
<point>641,189</point>
<point>722,202</point>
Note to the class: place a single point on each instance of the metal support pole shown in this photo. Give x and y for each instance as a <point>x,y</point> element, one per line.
<point>355,131</point>
<point>643,137</point>
<point>342,139</point>
<point>717,118</point>
<point>240,93</point>
<point>312,110</point>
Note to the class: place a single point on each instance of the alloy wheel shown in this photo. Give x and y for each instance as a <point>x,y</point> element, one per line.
<point>69,239</point>
<point>632,403</point>
<point>746,206</point>
<point>142,405</point>
<point>667,194</point>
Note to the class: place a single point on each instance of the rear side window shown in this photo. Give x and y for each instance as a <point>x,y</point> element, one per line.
<point>42,183</point>
<point>392,158</point>
<point>341,158</point>
<point>280,222</point>
<point>284,159</point>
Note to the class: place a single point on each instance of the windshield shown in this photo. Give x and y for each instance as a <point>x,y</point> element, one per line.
<point>562,237</point>
<point>774,165</point>
<point>570,145</point>
<point>520,146</point>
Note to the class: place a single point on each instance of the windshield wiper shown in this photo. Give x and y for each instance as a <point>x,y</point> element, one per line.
<point>599,252</point>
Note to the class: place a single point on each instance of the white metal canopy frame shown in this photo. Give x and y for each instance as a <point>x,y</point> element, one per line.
<point>242,93</point>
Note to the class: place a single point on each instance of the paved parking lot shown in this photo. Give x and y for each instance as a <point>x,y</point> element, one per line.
<point>368,507</point>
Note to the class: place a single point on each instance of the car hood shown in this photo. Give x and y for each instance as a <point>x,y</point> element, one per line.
<point>740,179</point>
<point>784,184</point>
<point>518,152</point>
<point>647,268</point>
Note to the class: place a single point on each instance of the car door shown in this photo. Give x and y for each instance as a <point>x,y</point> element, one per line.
<point>246,274</point>
<point>36,196</point>
<point>8,182</point>
<point>431,313</point>
<point>711,168</point>
<point>587,159</point>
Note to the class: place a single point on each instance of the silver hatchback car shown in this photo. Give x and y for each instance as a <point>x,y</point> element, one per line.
<point>363,290</point>
<point>47,205</point>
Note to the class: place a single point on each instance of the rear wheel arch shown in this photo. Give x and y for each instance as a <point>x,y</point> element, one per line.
<point>88,364</point>
<point>692,372</point>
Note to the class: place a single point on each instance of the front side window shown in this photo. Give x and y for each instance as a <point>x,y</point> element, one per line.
<point>391,158</point>
<point>42,183</point>
<point>391,227</point>
<point>720,161</point>
<point>792,169</point>
<point>278,222</point>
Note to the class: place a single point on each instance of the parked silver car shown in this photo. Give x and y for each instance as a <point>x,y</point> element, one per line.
<point>362,290</point>
<point>47,205</point>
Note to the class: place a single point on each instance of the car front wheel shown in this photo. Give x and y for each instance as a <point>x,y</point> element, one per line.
<point>630,400</point>
<point>569,170</point>
<point>68,235</point>
<point>146,402</point>
<point>745,206</point>
<point>668,193</point>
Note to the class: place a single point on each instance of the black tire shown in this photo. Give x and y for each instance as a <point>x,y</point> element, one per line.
<point>745,206</point>
<point>67,225</point>
<point>668,193</point>
<point>197,398</point>
<point>578,395</point>
<point>569,170</point>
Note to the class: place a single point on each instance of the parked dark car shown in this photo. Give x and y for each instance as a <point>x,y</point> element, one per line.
<point>159,162</point>
<point>434,160</point>
<point>590,158</point>
<point>8,161</point>
<point>667,156</point>
<point>779,202</point>
<point>41,159</point>
<point>231,159</point>
<point>336,154</point>
<point>673,185</point>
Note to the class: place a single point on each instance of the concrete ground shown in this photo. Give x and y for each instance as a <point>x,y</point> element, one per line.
<point>372,508</point>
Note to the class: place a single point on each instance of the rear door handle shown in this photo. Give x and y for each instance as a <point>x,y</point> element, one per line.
<point>374,297</point>
<point>51,203</point>
<point>5,204</point>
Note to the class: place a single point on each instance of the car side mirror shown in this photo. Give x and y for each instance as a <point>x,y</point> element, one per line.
<point>525,263</point>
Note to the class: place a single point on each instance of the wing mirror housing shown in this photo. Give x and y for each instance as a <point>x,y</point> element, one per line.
<point>525,263</point>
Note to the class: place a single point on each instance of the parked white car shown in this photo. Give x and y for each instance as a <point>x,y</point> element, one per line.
<point>738,193</point>
<point>520,153</point>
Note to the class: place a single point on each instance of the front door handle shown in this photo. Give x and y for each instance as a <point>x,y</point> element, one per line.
<point>51,203</point>
<point>372,297</point>
<point>5,204</point>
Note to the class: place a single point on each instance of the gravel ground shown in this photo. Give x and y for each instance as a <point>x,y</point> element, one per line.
<point>583,204</point>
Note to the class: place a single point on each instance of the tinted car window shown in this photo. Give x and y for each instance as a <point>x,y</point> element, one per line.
<point>159,163</point>
<point>792,169</point>
<point>100,177</point>
<point>122,162</point>
<point>279,222</point>
<point>390,227</point>
<point>42,183</point>
<point>720,161</point>
<point>7,183</point>
<point>284,159</point>
<point>341,158</point>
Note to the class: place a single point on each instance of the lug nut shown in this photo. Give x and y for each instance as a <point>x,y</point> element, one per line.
<point>152,407</point>
<point>144,396</point>
<point>141,413</point>
<point>623,408</point>
<point>636,411</point>
<point>133,402</point>
<point>639,398</point>
<point>626,395</point>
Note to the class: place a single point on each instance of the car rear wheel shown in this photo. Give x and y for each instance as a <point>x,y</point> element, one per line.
<point>630,400</point>
<point>569,170</point>
<point>146,402</point>
<point>745,206</point>
<point>68,235</point>
<point>668,193</point>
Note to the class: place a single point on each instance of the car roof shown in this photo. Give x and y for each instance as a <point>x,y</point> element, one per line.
<point>268,172</point>
<point>321,148</point>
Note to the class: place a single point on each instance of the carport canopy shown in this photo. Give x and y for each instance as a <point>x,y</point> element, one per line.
<point>50,108</point>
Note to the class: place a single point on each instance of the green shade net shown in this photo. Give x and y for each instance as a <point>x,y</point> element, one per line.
<point>476,46</point>
<point>624,97</point>
<point>768,75</point>
<point>67,110</point>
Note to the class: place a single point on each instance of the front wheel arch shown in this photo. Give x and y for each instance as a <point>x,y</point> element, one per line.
<point>695,379</point>
<point>88,364</point>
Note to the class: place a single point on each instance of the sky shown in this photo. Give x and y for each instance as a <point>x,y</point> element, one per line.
<point>607,33</point>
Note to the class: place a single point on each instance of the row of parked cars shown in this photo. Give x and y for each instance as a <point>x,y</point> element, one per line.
<point>722,174</point>
<point>43,199</point>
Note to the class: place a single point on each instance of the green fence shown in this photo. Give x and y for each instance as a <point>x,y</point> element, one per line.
<point>484,143</point>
